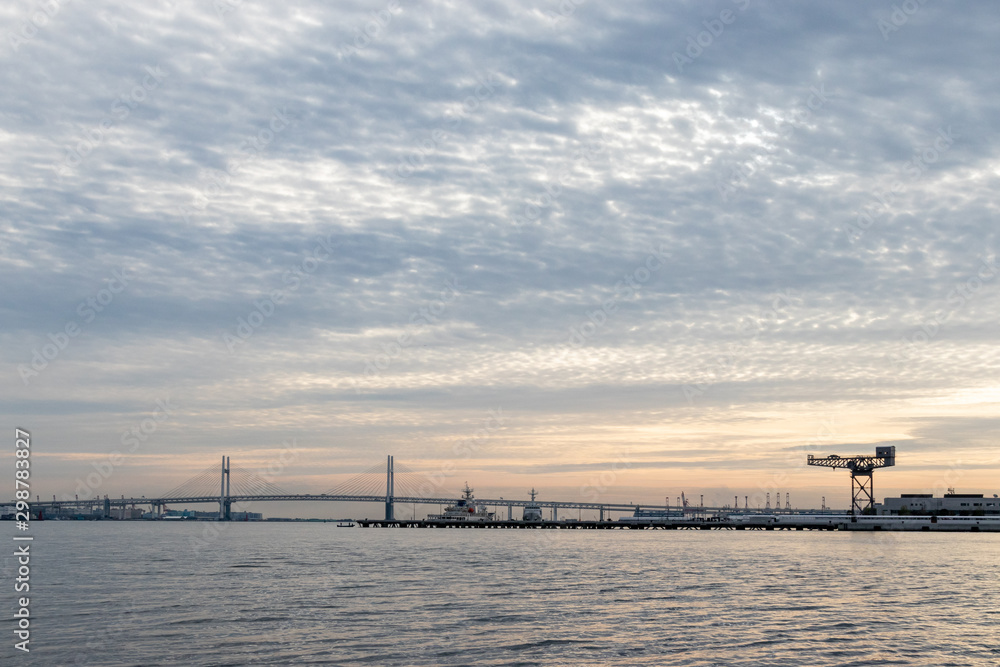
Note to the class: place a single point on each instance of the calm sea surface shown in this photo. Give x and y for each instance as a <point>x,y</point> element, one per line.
<point>138,593</point>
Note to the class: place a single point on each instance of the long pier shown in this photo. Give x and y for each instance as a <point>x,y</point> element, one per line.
<point>554,525</point>
<point>742,522</point>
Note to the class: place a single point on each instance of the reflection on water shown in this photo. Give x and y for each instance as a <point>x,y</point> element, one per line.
<point>136,593</point>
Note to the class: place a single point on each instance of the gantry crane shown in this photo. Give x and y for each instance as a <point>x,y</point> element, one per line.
<point>861,467</point>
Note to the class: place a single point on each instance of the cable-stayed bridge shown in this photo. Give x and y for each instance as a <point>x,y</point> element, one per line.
<point>230,486</point>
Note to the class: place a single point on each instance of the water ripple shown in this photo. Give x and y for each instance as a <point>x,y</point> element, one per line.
<point>265,594</point>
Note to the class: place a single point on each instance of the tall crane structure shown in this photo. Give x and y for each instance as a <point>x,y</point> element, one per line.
<point>861,467</point>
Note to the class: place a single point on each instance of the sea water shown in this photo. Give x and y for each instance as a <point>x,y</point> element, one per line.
<point>194,593</point>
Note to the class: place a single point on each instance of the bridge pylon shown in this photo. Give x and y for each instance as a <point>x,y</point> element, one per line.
<point>224,503</point>
<point>390,490</point>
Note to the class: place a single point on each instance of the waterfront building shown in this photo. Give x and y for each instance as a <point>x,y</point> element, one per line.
<point>962,504</point>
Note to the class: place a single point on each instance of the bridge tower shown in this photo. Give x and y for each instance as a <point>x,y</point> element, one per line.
<point>229,500</point>
<point>224,502</point>
<point>390,489</point>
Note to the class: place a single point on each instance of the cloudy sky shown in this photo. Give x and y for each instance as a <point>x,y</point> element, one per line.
<point>606,250</point>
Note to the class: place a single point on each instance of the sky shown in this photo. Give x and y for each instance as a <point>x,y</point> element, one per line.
<point>611,251</point>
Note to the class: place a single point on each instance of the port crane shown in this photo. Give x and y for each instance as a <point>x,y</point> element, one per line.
<point>861,466</point>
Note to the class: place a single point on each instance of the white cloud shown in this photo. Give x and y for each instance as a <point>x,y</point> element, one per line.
<point>487,108</point>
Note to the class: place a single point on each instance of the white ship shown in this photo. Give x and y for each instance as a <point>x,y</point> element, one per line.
<point>465,510</point>
<point>532,512</point>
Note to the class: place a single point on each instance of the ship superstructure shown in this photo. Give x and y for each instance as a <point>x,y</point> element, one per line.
<point>465,510</point>
<point>532,512</point>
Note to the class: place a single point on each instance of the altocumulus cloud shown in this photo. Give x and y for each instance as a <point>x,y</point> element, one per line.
<point>412,139</point>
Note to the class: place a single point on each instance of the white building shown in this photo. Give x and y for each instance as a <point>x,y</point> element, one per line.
<point>952,503</point>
